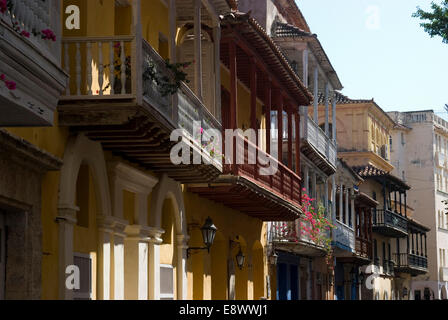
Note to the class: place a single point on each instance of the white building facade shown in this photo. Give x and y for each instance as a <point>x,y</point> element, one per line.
<point>419,153</point>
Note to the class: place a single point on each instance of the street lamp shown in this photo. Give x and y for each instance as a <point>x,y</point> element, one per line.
<point>208,231</point>
<point>273,258</point>
<point>240,259</point>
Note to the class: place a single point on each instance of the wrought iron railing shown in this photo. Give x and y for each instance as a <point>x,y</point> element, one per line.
<point>387,218</point>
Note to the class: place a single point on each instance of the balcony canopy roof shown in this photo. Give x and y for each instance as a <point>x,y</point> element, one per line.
<point>285,31</point>
<point>253,41</point>
<point>372,172</point>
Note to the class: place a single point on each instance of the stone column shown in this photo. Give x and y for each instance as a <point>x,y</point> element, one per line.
<point>182,284</point>
<point>66,220</point>
<point>154,263</point>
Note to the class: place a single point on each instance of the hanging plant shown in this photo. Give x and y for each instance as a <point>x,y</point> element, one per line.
<point>167,85</point>
<point>316,226</point>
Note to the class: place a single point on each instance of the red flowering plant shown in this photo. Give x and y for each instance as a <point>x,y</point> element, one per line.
<point>47,34</point>
<point>316,226</point>
<point>11,85</point>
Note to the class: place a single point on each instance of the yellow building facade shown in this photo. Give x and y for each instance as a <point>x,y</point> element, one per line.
<point>126,226</point>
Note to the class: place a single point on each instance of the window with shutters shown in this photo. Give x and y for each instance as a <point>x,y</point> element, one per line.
<point>84,263</point>
<point>186,54</point>
<point>166,282</point>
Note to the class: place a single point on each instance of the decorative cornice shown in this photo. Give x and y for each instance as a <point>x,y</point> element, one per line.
<point>27,154</point>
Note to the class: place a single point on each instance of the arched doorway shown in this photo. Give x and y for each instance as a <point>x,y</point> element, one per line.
<point>168,210</point>
<point>83,196</point>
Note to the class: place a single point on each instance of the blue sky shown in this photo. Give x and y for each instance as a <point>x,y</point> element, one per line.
<point>379,51</point>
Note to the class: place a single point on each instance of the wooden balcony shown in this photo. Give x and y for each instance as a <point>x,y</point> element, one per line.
<point>317,146</point>
<point>250,189</point>
<point>288,236</point>
<point>111,99</point>
<point>411,263</point>
<point>32,63</point>
<point>389,223</point>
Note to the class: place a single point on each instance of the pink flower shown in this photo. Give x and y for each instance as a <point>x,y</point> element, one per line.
<point>25,33</point>
<point>11,85</point>
<point>48,34</point>
<point>2,76</point>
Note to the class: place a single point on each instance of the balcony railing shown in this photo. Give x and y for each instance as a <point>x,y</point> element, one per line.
<point>410,261</point>
<point>345,236</point>
<point>363,247</point>
<point>389,223</point>
<point>290,232</point>
<point>32,15</point>
<point>388,267</point>
<point>106,69</point>
<point>316,137</point>
<point>283,181</point>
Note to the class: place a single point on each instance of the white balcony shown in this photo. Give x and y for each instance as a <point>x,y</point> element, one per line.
<point>31,62</point>
<point>317,145</point>
<point>344,237</point>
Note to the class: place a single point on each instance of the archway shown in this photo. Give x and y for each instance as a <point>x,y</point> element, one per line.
<point>219,252</point>
<point>258,270</point>
<point>83,159</point>
<point>167,197</point>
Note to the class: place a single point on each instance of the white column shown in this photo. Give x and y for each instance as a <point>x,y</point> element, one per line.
<point>197,4</point>
<point>105,235</point>
<point>334,117</point>
<point>173,52</point>
<point>118,268</point>
<point>305,56</point>
<point>137,48</point>
<point>182,281</point>
<point>326,195</point>
<point>173,30</point>
<point>341,207</point>
<point>352,202</point>
<point>217,38</point>
<point>314,182</point>
<point>136,264</point>
<point>154,264</point>
<point>316,95</point>
<point>333,197</point>
<point>66,220</point>
<point>346,206</point>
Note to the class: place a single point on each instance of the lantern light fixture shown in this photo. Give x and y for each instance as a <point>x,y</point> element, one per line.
<point>240,259</point>
<point>208,231</point>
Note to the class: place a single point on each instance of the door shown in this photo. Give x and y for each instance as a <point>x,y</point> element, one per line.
<point>2,256</point>
<point>282,285</point>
